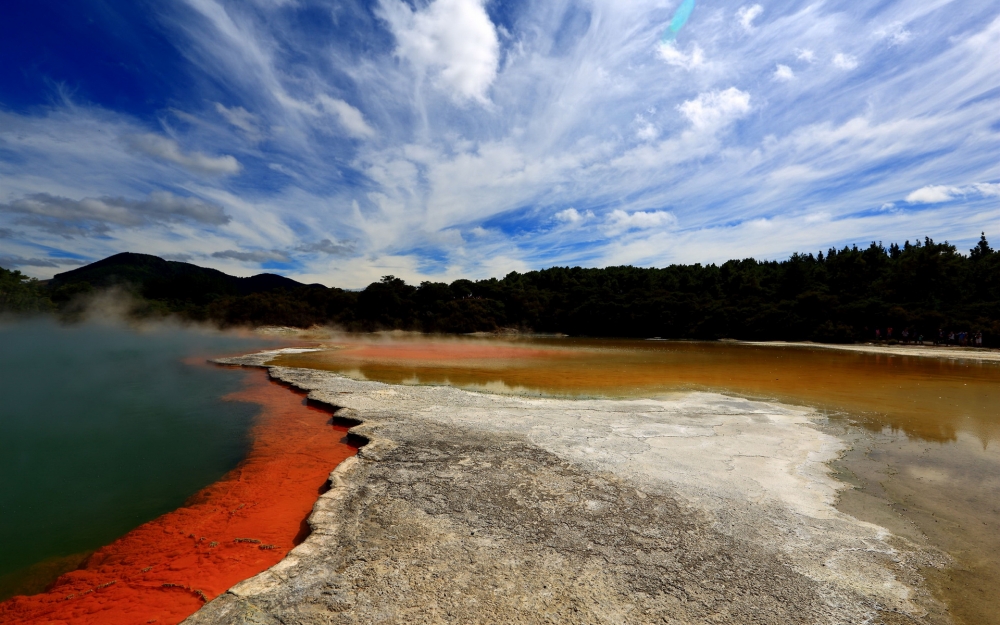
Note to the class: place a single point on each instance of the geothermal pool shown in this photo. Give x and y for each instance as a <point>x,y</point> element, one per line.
<point>148,479</point>
<point>102,429</point>
<point>922,431</point>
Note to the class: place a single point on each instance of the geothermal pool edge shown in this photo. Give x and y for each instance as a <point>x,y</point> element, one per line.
<point>468,507</point>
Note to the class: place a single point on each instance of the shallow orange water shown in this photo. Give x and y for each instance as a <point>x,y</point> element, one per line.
<point>933,399</point>
<point>165,570</point>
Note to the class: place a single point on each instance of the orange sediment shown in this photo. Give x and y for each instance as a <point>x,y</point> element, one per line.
<point>165,570</point>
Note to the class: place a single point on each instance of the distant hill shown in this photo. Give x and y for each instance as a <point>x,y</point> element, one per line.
<point>155,278</point>
<point>163,287</point>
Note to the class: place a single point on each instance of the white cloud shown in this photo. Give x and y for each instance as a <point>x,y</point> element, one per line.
<point>747,14</point>
<point>844,61</point>
<point>936,194</point>
<point>896,33</point>
<point>619,220</point>
<point>240,118</point>
<point>987,189</point>
<point>167,149</point>
<point>573,216</point>
<point>281,169</point>
<point>933,194</point>
<point>817,218</point>
<point>645,130</point>
<point>350,118</point>
<point>783,73</point>
<point>669,52</point>
<point>454,39</point>
<point>716,108</point>
<point>806,55</point>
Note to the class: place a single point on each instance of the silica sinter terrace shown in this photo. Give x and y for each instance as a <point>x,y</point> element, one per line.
<point>103,428</point>
<point>922,431</point>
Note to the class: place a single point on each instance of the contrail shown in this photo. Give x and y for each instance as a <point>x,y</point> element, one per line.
<point>680,18</point>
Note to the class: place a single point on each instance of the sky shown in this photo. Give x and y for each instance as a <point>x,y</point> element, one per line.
<point>340,141</point>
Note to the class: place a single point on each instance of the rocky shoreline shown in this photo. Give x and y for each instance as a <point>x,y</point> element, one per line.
<point>471,507</point>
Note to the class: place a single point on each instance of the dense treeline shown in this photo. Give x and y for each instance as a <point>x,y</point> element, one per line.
<point>839,296</point>
<point>20,294</point>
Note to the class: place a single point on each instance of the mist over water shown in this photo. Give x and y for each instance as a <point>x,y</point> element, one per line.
<point>103,428</point>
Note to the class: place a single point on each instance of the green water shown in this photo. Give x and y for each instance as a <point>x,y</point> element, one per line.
<point>104,428</point>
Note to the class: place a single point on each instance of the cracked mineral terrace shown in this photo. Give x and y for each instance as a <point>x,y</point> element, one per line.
<point>471,507</point>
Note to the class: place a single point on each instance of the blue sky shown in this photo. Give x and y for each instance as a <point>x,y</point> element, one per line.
<point>337,142</point>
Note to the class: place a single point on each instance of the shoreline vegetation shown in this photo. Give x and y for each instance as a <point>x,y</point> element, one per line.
<point>920,293</point>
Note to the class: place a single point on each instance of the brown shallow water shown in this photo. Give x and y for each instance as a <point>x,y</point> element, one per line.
<point>924,431</point>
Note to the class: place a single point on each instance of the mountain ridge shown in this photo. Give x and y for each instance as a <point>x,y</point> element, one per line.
<point>159,278</point>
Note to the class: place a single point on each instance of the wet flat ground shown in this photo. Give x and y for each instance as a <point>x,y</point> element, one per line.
<point>923,431</point>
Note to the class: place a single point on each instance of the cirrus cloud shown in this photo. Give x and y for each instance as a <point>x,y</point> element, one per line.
<point>10,262</point>
<point>936,194</point>
<point>240,118</point>
<point>328,247</point>
<point>166,149</point>
<point>253,256</point>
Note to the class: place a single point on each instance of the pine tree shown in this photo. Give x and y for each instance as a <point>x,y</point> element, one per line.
<point>982,250</point>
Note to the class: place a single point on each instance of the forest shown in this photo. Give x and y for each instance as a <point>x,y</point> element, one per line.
<point>844,295</point>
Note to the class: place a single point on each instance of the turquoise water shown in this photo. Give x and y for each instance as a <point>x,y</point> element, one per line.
<point>103,428</point>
